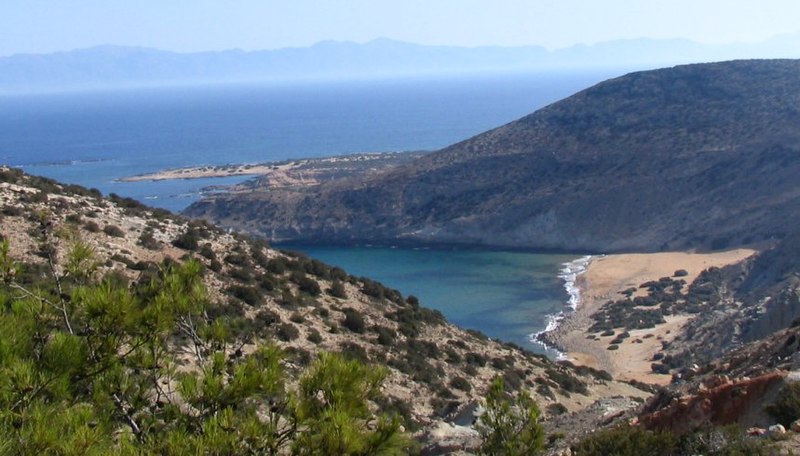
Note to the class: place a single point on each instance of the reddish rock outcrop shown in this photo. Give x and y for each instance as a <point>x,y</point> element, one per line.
<point>737,401</point>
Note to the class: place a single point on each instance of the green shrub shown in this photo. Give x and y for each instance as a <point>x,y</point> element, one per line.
<point>314,336</point>
<point>337,290</point>
<point>12,211</point>
<point>74,219</point>
<point>386,335</point>
<point>113,231</point>
<point>147,240</point>
<point>786,407</point>
<point>318,268</point>
<point>475,359</point>
<point>276,265</point>
<point>353,320</point>
<point>266,318</point>
<point>353,351</point>
<point>241,274</point>
<point>289,300</point>
<point>567,381</point>
<point>91,227</point>
<point>287,332</point>
<point>309,286</point>
<point>509,426</point>
<point>627,441</point>
<point>250,295</point>
<point>187,240</point>
<point>460,383</point>
<point>266,282</point>
<point>207,251</point>
<point>451,356</point>
<point>236,259</point>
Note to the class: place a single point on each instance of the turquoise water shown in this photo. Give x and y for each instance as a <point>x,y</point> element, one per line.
<point>506,295</point>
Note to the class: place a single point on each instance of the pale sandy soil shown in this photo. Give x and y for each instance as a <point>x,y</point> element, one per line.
<point>295,172</point>
<point>603,280</point>
<point>206,172</point>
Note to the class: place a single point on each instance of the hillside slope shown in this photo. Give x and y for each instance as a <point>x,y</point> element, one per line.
<point>437,372</point>
<point>697,156</point>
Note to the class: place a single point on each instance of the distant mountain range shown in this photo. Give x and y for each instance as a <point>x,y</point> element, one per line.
<point>696,156</point>
<point>113,66</point>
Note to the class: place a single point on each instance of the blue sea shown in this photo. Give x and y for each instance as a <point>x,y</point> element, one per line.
<point>95,138</point>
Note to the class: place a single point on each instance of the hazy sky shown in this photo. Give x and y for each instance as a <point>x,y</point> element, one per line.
<point>192,25</point>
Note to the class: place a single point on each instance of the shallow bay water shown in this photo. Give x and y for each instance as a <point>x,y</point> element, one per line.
<point>506,295</point>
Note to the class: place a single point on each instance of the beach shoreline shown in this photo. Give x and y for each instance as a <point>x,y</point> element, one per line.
<point>603,280</point>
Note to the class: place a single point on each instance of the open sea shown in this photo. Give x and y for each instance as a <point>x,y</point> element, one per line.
<point>95,138</point>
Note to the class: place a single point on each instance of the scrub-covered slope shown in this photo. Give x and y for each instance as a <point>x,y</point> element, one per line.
<point>697,156</point>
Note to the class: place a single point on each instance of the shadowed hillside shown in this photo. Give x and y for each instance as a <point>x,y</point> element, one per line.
<point>699,156</point>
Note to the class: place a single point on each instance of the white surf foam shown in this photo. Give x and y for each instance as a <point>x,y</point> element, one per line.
<point>569,273</point>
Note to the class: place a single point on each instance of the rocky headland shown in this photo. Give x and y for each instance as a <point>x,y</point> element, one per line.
<point>692,157</point>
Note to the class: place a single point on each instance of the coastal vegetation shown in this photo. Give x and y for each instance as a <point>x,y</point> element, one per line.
<point>171,333</point>
<point>96,365</point>
<point>131,330</point>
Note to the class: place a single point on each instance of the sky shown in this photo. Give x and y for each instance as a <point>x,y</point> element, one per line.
<point>43,26</point>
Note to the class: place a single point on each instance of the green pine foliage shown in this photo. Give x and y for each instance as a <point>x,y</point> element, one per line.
<point>94,367</point>
<point>510,427</point>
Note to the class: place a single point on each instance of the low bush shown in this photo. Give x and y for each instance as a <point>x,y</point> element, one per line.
<point>475,359</point>
<point>786,407</point>
<point>276,265</point>
<point>147,240</point>
<point>207,251</point>
<point>250,295</point>
<point>386,335</point>
<point>353,351</point>
<point>567,381</point>
<point>460,383</point>
<point>287,332</point>
<point>188,240</point>
<point>91,227</point>
<point>337,290</point>
<point>353,320</point>
<point>309,286</point>
<point>266,318</point>
<point>314,336</point>
<point>627,441</point>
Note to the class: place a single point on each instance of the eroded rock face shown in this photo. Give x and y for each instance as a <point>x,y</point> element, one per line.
<point>726,402</point>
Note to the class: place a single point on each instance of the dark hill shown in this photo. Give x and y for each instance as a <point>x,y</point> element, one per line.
<point>697,156</point>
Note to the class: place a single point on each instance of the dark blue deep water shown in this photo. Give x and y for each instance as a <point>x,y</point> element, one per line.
<point>94,138</point>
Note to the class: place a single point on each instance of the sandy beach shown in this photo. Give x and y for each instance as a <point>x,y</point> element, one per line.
<point>605,277</point>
